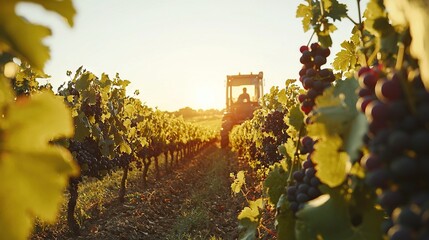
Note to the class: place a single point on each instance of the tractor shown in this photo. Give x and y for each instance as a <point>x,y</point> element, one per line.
<point>243,92</point>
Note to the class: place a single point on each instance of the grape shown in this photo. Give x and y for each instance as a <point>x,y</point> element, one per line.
<point>306,184</point>
<point>368,80</point>
<point>303,48</point>
<point>388,90</point>
<point>398,137</point>
<point>314,79</point>
<point>276,128</point>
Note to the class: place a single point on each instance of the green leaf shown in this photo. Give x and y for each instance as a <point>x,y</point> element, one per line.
<point>6,95</point>
<point>282,98</point>
<point>332,164</point>
<point>38,170</point>
<point>82,127</point>
<point>353,140</point>
<point>83,82</point>
<point>346,91</point>
<point>275,182</point>
<point>331,111</point>
<point>295,118</point>
<point>290,148</point>
<point>249,219</point>
<point>24,39</point>
<point>285,220</point>
<point>325,40</point>
<point>374,10</point>
<point>319,216</point>
<point>335,10</point>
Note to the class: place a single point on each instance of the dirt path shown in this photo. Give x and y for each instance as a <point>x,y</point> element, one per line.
<point>194,202</point>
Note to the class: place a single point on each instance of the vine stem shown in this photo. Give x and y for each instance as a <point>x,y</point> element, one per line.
<point>322,9</point>
<point>400,58</point>
<point>404,82</point>
<point>361,33</point>
<point>353,21</point>
<point>359,12</point>
<point>311,37</point>
<point>296,155</point>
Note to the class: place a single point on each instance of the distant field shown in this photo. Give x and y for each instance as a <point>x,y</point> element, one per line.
<point>212,121</point>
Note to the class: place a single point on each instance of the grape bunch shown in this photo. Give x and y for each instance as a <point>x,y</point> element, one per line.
<point>275,128</point>
<point>123,160</point>
<point>275,124</point>
<point>314,79</point>
<point>87,154</point>
<point>93,109</point>
<point>306,183</point>
<point>396,105</point>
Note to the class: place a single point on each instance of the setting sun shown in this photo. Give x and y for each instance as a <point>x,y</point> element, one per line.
<point>206,98</point>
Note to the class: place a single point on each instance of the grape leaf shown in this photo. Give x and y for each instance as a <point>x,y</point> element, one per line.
<point>346,58</point>
<point>82,127</point>
<point>125,148</point>
<point>275,182</point>
<point>285,220</point>
<point>331,111</point>
<point>332,209</point>
<point>353,139</point>
<point>295,118</point>
<point>239,181</point>
<point>306,13</point>
<point>282,98</point>
<point>374,10</point>
<point>290,148</point>
<point>332,164</point>
<point>335,9</point>
<point>415,15</point>
<point>6,95</point>
<point>324,39</point>
<point>33,173</point>
<point>346,90</point>
<point>24,39</point>
<point>249,220</point>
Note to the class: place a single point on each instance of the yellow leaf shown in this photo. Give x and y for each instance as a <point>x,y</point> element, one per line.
<point>328,99</point>
<point>70,98</point>
<point>33,173</point>
<point>125,148</point>
<point>331,164</point>
<point>251,212</point>
<point>238,182</point>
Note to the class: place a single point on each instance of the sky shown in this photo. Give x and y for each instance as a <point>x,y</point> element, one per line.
<point>177,53</point>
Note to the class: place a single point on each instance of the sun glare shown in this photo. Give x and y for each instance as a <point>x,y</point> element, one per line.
<point>206,99</point>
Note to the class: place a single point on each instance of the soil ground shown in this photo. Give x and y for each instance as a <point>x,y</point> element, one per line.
<point>192,202</point>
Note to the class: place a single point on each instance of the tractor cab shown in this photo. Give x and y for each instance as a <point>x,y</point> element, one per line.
<point>242,99</point>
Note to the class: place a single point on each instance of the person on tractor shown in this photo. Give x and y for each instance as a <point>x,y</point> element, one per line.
<point>244,97</point>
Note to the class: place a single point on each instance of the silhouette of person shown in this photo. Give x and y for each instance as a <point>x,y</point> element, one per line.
<point>244,97</point>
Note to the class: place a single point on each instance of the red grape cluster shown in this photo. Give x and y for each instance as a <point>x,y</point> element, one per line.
<point>313,78</point>
<point>397,139</point>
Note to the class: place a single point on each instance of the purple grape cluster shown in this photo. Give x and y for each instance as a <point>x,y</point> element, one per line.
<point>274,129</point>
<point>313,78</point>
<point>397,108</point>
<point>306,183</point>
<point>87,154</point>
